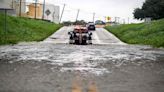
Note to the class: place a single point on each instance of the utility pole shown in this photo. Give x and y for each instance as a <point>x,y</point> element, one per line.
<point>115,19</point>
<point>94,17</point>
<point>35,7</point>
<point>118,19</point>
<point>20,7</point>
<point>62,14</point>
<point>12,4</point>
<point>128,20</point>
<point>123,20</point>
<point>43,9</point>
<point>105,18</point>
<point>77,14</point>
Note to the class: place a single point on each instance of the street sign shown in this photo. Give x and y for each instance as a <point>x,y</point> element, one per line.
<point>108,18</point>
<point>48,12</point>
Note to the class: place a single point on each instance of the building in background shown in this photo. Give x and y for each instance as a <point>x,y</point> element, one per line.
<point>21,9</point>
<point>31,10</point>
<point>52,13</point>
<point>28,9</point>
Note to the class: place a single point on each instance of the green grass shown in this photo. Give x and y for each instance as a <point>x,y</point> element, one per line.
<point>146,34</point>
<point>25,30</point>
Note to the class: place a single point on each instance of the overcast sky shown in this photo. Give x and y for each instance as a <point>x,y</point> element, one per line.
<point>112,8</point>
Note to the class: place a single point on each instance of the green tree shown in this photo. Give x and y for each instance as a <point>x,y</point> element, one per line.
<point>67,23</point>
<point>151,8</point>
<point>138,14</point>
<point>80,22</point>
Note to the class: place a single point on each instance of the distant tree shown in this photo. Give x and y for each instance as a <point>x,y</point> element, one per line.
<point>80,22</point>
<point>151,8</point>
<point>67,23</point>
<point>99,22</point>
<point>138,14</point>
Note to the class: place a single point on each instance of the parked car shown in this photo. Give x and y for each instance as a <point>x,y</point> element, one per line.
<point>91,26</point>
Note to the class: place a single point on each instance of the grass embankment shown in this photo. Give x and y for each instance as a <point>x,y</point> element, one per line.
<point>146,34</point>
<point>24,29</point>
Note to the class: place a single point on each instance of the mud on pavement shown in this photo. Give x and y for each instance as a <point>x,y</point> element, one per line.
<point>42,67</point>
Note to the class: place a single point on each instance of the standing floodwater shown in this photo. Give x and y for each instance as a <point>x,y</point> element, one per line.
<point>49,67</point>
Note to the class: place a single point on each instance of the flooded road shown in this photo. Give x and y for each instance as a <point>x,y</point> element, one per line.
<point>49,67</point>
<point>108,65</point>
<point>100,36</point>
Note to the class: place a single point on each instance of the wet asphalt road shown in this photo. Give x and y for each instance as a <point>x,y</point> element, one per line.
<point>100,36</point>
<point>50,66</point>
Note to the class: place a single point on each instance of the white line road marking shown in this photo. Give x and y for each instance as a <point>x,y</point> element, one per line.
<point>96,39</point>
<point>100,36</point>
